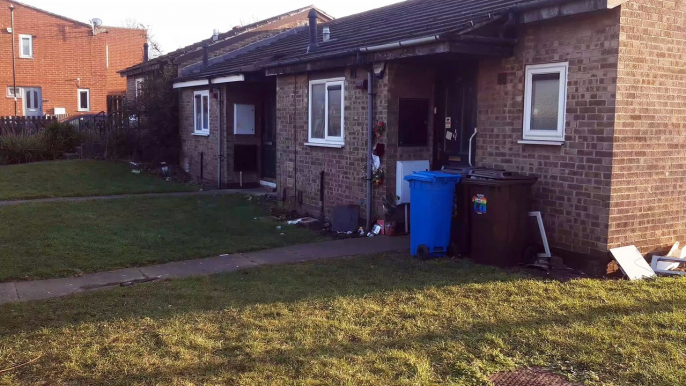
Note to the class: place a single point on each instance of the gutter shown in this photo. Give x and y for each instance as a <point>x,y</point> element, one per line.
<point>402,43</point>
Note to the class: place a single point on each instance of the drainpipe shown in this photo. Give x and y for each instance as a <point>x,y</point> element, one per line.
<point>14,63</point>
<point>370,138</point>
<point>220,156</point>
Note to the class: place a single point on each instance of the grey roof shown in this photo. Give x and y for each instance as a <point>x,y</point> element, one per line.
<point>402,21</point>
<point>155,62</point>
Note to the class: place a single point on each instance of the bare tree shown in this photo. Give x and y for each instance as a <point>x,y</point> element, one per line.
<point>155,47</point>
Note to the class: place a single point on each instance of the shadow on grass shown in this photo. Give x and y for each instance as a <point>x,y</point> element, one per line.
<point>320,283</point>
<point>321,280</point>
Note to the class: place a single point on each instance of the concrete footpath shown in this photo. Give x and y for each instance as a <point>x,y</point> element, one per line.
<point>52,288</point>
<point>254,192</point>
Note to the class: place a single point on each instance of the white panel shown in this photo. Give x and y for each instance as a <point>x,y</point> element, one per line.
<point>228,79</point>
<point>191,83</point>
<point>244,119</point>
<point>60,111</point>
<point>632,263</point>
<point>403,169</point>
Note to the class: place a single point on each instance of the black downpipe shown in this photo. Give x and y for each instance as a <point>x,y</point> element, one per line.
<point>370,138</point>
<point>321,192</point>
<point>295,134</point>
<point>202,166</point>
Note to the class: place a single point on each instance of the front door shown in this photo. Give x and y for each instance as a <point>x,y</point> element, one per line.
<point>269,138</point>
<point>33,102</point>
<point>455,119</point>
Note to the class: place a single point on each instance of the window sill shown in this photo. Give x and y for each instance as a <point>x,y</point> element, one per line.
<point>541,142</point>
<point>331,145</point>
<point>201,134</point>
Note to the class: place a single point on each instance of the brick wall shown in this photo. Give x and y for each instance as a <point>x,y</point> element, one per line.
<point>192,145</point>
<point>125,48</point>
<point>573,191</point>
<point>299,166</point>
<point>649,169</point>
<point>63,53</point>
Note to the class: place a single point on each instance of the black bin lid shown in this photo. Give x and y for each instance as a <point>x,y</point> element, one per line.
<point>499,177</point>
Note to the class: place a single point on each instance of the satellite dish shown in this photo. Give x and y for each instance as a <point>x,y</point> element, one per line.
<point>96,22</point>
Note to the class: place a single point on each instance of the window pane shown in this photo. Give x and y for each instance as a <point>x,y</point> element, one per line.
<point>198,112</point>
<point>28,100</point>
<point>83,96</point>
<point>25,46</point>
<point>205,112</point>
<point>35,99</point>
<point>318,110</point>
<point>335,95</point>
<point>545,98</point>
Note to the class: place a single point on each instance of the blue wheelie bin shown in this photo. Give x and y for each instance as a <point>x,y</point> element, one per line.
<point>431,212</point>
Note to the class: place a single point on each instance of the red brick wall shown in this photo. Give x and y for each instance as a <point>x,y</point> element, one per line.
<point>125,50</point>
<point>63,52</point>
<point>648,205</point>
<point>573,191</point>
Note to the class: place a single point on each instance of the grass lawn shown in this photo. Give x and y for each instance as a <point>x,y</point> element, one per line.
<point>374,320</point>
<point>41,240</point>
<point>77,179</point>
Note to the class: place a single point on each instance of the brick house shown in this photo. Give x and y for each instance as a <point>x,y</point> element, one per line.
<point>199,147</point>
<point>62,66</point>
<point>588,96</point>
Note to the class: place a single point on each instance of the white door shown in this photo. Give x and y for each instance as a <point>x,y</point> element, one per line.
<point>33,102</point>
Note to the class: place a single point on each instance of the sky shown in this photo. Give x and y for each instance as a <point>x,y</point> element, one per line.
<point>178,23</point>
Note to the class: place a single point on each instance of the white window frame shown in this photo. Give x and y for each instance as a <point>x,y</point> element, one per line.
<point>199,130</point>
<point>78,99</point>
<point>327,141</point>
<point>136,83</point>
<point>546,136</point>
<point>18,92</point>
<point>21,51</point>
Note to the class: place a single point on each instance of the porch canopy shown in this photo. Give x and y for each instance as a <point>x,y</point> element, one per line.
<point>402,30</point>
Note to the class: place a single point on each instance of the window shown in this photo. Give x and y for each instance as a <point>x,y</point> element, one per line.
<point>26,46</point>
<point>326,123</point>
<point>201,112</point>
<point>12,92</point>
<point>139,86</point>
<point>545,102</point>
<point>84,99</point>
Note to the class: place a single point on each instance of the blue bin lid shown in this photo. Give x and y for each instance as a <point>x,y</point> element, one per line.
<point>433,177</point>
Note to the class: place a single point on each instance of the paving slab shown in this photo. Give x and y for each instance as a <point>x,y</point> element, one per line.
<point>8,293</point>
<point>252,192</point>
<point>208,266</point>
<point>353,247</point>
<point>45,289</point>
<point>274,256</point>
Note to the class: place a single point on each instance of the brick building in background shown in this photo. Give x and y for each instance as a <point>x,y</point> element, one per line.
<point>62,66</point>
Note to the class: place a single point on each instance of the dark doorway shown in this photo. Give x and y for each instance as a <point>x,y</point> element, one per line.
<point>269,137</point>
<point>413,122</point>
<point>455,116</point>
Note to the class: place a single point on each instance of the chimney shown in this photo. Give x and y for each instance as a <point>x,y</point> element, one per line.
<point>205,58</point>
<point>313,30</point>
<point>326,34</point>
<point>146,55</point>
<point>215,35</point>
